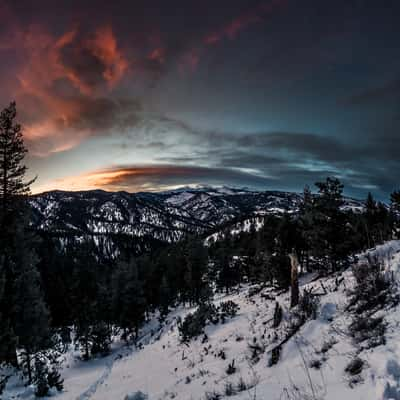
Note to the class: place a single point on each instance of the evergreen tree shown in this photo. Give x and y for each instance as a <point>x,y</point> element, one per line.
<point>24,316</point>
<point>42,385</point>
<point>286,242</point>
<point>330,238</point>
<point>129,302</point>
<point>385,221</point>
<point>395,201</point>
<point>371,211</point>
<point>227,273</point>
<point>305,222</point>
<point>31,314</point>
<point>166,297</point>
<point>13,186</point>
<point>395,209</point>
<point>89,305</point>
<point>196,268</point>
<point>294,280</point>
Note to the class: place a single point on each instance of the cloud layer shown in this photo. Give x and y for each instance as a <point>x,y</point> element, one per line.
<point>67,85</point>
<point>262,93</point>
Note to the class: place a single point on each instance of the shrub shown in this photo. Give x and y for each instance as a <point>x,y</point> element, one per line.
<point>221,354</point>
<point>42,386</point>
<point>373,290</point>
<point>275,354</point>
<point>308,305</point>
<point>193,324</point>
<point>190,327</point>
<point>254,290</point>
<point>316,364</point>
<point>256,349</point>
<point>231,368</point>
<point>3,381</point>
<point>230,389</point>
<point>101,339</point>
<point>328,344</point>
<point>242,385</point>
<point>136,396</point>
<point>213,395</point>
<point>54,380</point>
<point>228,309</point>
<point>370,329</point>
<point>355,366</point>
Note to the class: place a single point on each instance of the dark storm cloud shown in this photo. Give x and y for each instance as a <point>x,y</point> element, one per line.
<point>68,73</point>
<point>84,64</point>
<point>64,86</point>
<point>102,115</point>
<point>299,144</point>
<point>292,159</point>
<point>310,156</point>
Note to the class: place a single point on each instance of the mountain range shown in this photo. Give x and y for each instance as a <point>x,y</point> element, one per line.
<point>143,219</point>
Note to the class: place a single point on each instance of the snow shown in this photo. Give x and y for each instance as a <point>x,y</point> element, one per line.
<point>164,368</point>
<point>236,229</point>
<point>180,198</point>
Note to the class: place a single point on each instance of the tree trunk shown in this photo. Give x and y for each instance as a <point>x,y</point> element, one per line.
<point>294,280</point>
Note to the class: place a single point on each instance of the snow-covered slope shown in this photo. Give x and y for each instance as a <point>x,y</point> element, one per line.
<point>312,363</point>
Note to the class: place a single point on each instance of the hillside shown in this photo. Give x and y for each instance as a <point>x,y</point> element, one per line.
<point>312,363</point>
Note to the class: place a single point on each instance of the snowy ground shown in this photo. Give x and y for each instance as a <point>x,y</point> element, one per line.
<point>166,369</point>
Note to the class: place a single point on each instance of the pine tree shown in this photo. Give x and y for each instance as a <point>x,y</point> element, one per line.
<point>8,340</point>
<point>18,274</point>
<point>196,268</point>
<point>165,296</point>
<point>385,222</point>
<point>395,200</point>
<point>330,235</point>
<point>294,281</point>
<point>395,210</point>
<point>41,371</point>
<point>371,210</point>
<point>32,326</point>
<point>54,379</point>
<point>129,302</point>
<point>86,301</point>
<point>12,169</point>
<point>225,271</point>
<point>305,221</point>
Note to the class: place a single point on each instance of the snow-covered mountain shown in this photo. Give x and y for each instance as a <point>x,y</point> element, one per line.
<point>165,216</point>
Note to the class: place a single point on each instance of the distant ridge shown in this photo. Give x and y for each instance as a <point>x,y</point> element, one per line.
<point>139,219</point>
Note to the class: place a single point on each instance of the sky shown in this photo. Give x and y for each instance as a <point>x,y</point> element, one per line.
<point>155,95</point>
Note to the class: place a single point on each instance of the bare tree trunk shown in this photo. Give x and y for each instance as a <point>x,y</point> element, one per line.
<point>294,280</point>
